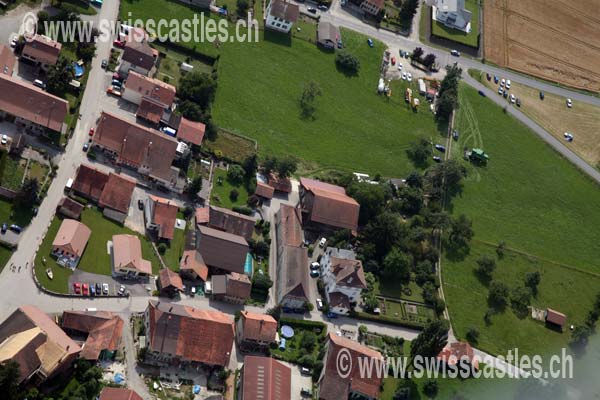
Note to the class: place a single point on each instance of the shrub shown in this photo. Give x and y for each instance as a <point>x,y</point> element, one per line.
<point>242,210</point>
<point>234,194</point>
<point>235,174</point>
<point>347,63</point>
<point>162,248</point>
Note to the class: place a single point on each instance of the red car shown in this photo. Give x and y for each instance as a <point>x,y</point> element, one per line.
<point>91,131</point>
<point>77,287</point>
<point>118,43</point>
<point>117,76</point>
<point>86,289</point>
<point>393,60</point>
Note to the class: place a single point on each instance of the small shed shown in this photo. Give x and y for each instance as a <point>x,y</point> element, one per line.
<point>555,318</point>
<point>328,35</point>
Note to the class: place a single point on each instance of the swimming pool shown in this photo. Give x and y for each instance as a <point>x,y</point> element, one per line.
<point>248,265</point>
<point>79,70</point>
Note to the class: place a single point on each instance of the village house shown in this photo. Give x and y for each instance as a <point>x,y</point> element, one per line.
<point>327,207</point>
<point>264,190</point>
<point>555,318</point>
<point>160,215</point>
<point>192,266</point>
<point>69,242</point>
<point>354,385</point>
<point>154,97</point>
<point>232,288</point>
<point>42,350</point>
<point>459,354</point>
<point>112,393</point>
<point>292,259</point>
<point>41,51</point>
<point>451,13</point>
<point>255,332</point>
<point>69,208</point>
<point>127,257</point>
<point>101,331</point>
<point>185,336</point>
<point>344,279</point>
<point>266,379</point>
<point>281,15</point>
<point>150,153</point>
<point>229,221</point>
<point>138,57</point>
<point>222,251</point>
<point>16,98</point>
<point>7,60</point>
<point>190,132</point>
<point>328,35</point>
<point>372,7</point>
<point>169,283</point>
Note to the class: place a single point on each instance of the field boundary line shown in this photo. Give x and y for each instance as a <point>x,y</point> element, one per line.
<point>524,253</point>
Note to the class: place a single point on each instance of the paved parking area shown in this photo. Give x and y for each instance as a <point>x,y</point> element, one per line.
<point>299,381</point>
<point>133,287</point>
<point>135,219</point>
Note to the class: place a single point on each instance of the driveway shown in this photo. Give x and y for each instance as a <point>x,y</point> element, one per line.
<point>135,219</point>
<point>133,287</point>
<point>299,381</point>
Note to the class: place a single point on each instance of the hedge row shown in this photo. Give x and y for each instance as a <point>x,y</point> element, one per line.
<point>390,321</point>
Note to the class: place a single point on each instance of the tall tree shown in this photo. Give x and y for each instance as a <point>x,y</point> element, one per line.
<point>419,152</point>
<point>461,230</point>
<point>28,194</point>
<point>431,340</point>
<point>397,265</point>
<point>308,98</point>
<point>59,75</point>
<point>198,87</point>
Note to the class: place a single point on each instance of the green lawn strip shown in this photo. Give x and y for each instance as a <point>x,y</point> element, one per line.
<point>527,196</point>
<point>470,39</point>
<point>175,248</point>
<point>233,147</point>
<point>220,192</point>
<point>293,348</point>
<point>568,291</point>
<point>13,173</point>
<point>390,287</point>
<point>350,116</point>
<point>95,258</point>
<point>37,171</point>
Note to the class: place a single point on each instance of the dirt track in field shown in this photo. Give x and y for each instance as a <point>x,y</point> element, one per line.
<point>556,40</point>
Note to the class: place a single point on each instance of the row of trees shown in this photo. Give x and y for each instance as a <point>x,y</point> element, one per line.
<point>448,93</point>
<point>418,55</point>
<point>197,92</point>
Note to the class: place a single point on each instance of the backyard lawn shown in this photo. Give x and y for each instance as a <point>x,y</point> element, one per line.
<point>470,39</point>
<point>95,257</point>
<point>175,248</point>
<point>539,205</point>
<point>222,187</point>
<point>12,176</point>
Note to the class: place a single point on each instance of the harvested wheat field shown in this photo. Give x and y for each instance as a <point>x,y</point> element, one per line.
<point>582,120</point>
<point>556,40</point>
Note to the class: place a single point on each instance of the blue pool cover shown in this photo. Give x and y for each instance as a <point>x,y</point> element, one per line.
<point>248,265</point>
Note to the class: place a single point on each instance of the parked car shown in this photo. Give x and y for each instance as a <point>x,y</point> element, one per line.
<point>331,315</point>
<point>117,83</point>
<point>319,304</point>
<point>455,53</point>
<point>495,79</point>
<point>86,146</point>
<point>4,228</point>
<point>85,289</point>
<point>455,134</point>
<point>488,76</point>
<point>91,133</point>
<point>409,76</point>
<point>481,93</point>
<point>104,64</point>
<point>141,204</point>
<point>541,95</point>
<point>518,102</point>
<point>98,289</point>
<point>440,147</point>
<point>399,66</point>
<point>569,103</point>
<point>311,10</point>
<point>305,392</point>
<point>113,91</point>
<point>35,211</point>
<point>13,43</point>
<point>508,83</point>
<point>512,98</point>
<point>370,42</point>
<point>437,159</point>
<point>568,136</point>
<point>322,242</point>
<point>500,91</point>
<point>315,265</point>
<point>118,43</point>
<point>77,288</point>
<point>117,76</point>
<point>39,84</point>
<point>502,82</point>
<point>404,76</point>
<point>105,288</point>
<point>314,273</point>
<point>323,7</point>
<point>121,290</point>
<point>393,60</point>
<point>15,228</point>
<point>304,370</point>
<point>92,290</point>
<point>4,139</point>
<point>505,94</point>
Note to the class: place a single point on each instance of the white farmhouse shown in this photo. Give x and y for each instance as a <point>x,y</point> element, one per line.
<point>451,13</point>
<point>281,15</point>
<point>344,279</point>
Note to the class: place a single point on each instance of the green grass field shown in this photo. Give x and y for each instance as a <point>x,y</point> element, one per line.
<point>220,192</point>
<point>95,257</point>
<point>175,248</point>
<point>470,39</point>
<point>541,206</point>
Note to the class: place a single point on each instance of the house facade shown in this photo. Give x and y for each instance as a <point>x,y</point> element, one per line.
<point>255,332</point>
<point>127,258</point>
<point>281,15</point>
<point>41,50</point>
<point>232,288</point>
<point>343,277</point>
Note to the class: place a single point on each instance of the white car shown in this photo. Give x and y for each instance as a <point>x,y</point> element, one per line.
<point>508,83</point>
<point>404,76</point>
<point>319,304</point>
<point>568,136</point>
<point>4,139</point>
<point>409,76</point>
<point>569,103</point>
<point>315,265</point>
<point>502,82</point>
<point>512,98</point>
<point>500,91</point>
<point>399,66</point>
<point>105,288</point>
<point>322,242</point>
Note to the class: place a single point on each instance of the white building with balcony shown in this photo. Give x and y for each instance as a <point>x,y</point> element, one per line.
<point>344,279</point>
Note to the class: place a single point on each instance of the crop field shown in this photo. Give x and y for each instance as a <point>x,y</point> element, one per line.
<point>582,120</point>
<point>555,40</point>
<point>542,207</point>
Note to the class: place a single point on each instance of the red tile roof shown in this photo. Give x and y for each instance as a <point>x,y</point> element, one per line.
<point>7,60</point>
<point>169,279</point>
<point>150,110</point>
<point>333,386</point>
<point>258,327</point>
<point>202,215</point>
<point>137,145</point>
<point>139,53</point>
<point>117,193</point>
<point>264,190</point>
<point>331,205</point>
<point>191,131</point>
<point>42,49</point>
<point>555,317</point>
<point>266,379</point>
<point>151,88</point>
<point>192,334</point>
<point>280,184</point>
<point>89,182</point>
<point>221,249</point>
<point>232,222</point>
<point>111,393</point>
<point>453,353</point>
<point>165,216</point>
<point>192,260</point>
<point>104,330</point>
<point>72,236</point>
<point>70,207</point>
<point>348,273</point>
<point>26,101</point>
<point>127,253</point>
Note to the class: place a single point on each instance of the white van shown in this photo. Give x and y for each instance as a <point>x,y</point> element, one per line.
<point>69,184</point>
<point>39,84</point>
